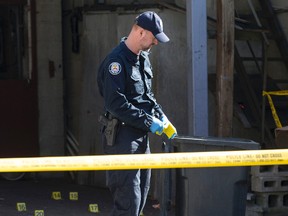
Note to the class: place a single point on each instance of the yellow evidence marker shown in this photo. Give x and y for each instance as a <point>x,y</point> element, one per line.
<point>56,195</point>
<point>73,195</point>
<point>93,208</point>
<point>39,213</point>
<point>21,207</point>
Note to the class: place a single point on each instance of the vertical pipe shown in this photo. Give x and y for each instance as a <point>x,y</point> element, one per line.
<point>197,67</point>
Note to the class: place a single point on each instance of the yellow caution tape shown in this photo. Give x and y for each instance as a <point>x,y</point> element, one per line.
<point>279,93</point>
<point>143,161</point>
<point>273,110</point>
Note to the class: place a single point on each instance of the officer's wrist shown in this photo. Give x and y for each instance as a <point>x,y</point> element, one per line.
<point>148,121</point>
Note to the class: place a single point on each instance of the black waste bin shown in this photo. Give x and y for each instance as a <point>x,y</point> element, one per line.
<point>218,191</point>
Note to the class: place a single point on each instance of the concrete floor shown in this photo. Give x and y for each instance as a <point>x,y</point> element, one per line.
<point>37,195</point>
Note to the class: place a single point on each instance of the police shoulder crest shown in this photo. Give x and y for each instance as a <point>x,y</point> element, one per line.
<point>115,68</point>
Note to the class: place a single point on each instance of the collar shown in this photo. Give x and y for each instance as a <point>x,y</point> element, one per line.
<point>128,53</point>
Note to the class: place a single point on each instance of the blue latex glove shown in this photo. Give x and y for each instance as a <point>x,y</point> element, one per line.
<point>157,126</point>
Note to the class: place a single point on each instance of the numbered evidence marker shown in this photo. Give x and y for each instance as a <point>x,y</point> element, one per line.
<point>93,208</point>
<point>21,207</point>
<point>73,195</point>
<point>56,195</point>
<point>39,213</point>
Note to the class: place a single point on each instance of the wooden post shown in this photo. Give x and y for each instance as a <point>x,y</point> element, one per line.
<point>225,67</point>
<point>265,71</point>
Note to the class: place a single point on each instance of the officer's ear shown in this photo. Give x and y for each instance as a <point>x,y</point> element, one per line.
<point>143,32</point>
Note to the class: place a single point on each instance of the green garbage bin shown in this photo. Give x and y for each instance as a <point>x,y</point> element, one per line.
<point>218,191</point>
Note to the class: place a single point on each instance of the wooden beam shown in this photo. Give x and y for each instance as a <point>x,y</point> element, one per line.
<point>225,67</point>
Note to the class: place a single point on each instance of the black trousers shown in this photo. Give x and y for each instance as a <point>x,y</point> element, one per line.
<point>129,188</point>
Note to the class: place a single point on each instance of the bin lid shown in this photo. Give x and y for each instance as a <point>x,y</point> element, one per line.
<point>239,143</point>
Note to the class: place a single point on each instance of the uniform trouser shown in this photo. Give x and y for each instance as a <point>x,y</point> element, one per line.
<point>129,188</point>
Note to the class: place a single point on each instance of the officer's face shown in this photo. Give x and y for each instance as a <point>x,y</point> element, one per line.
<point>148,40</point>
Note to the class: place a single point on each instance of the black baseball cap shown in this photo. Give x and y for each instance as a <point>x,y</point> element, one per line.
<point>150,21</point>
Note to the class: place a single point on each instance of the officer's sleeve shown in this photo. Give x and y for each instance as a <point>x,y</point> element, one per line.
<point>148,69</point>
<point>158,110</point>
<point>114,80</point>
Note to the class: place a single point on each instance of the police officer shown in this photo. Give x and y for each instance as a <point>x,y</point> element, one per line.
<point>125,81</point>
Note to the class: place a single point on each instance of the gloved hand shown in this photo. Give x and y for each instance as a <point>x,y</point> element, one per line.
<point>157,126</point>
<point>165,120</point>
<point>169,129</point>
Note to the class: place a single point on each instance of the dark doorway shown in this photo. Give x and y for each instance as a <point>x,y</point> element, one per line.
<point>18,84</point>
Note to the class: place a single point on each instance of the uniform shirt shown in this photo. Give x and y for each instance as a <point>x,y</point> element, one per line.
<point>125,81</point>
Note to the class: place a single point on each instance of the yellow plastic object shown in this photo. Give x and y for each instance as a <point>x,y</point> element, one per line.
<point>169,130</point>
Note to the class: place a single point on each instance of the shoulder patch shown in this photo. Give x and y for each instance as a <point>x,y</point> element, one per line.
<point>115,68</point>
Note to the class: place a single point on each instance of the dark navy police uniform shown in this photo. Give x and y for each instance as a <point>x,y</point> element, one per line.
<point>125,81</point>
